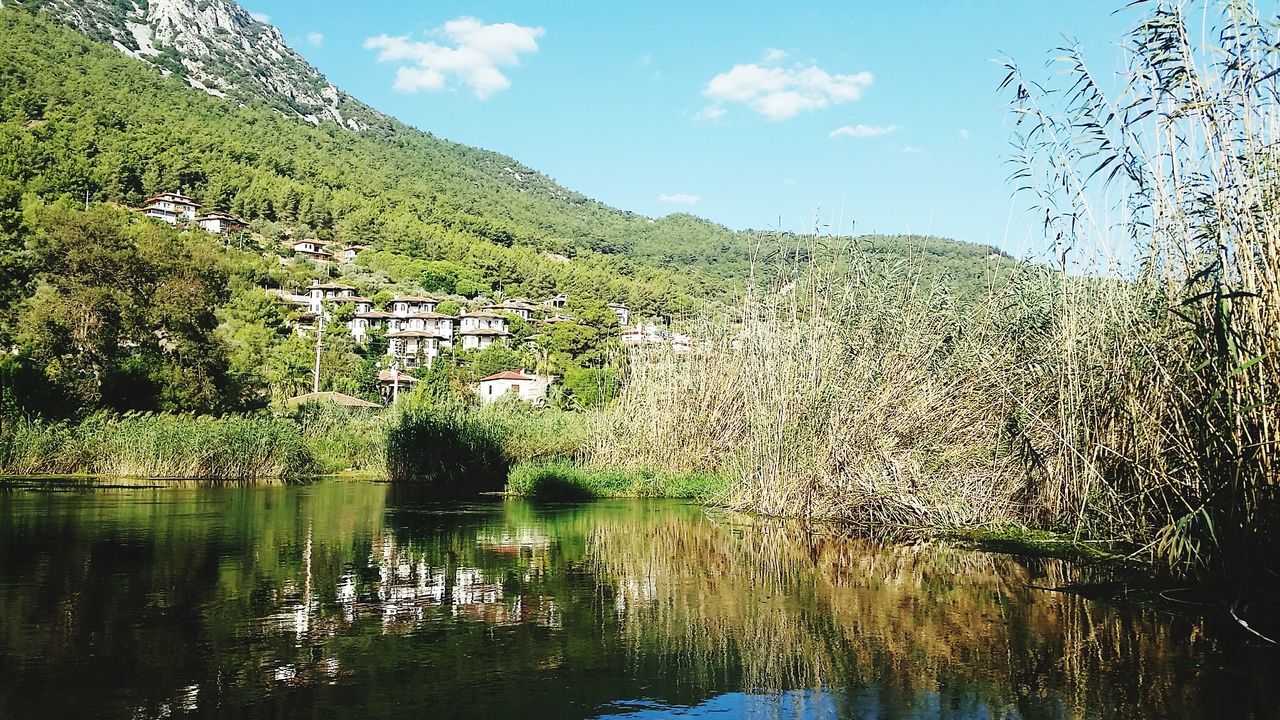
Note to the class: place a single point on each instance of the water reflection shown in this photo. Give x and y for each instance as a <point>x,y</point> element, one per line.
<point>357,599</point>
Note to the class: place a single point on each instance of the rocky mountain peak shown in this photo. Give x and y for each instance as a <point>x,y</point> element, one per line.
<point>216,46</point>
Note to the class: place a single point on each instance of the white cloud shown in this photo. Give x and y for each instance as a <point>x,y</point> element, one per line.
<point>644,60</point>
<point>710,113</point>
<point>680,198</point>
<point>315,39</point>
<point>789,182</point>
<point>779,93</point>
<point>261,17</point>
<point>862,131</point>
<point>774,55</point>
<point>478,51</point>
<point>912,150</point>
<point>964,134</point>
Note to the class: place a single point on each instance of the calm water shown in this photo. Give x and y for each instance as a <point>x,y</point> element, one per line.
<point>370,601</point>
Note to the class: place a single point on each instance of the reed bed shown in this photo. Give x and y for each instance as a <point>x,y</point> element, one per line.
<point>156,445</point>
<point>1124,390</point>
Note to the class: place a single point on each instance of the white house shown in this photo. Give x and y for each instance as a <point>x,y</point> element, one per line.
<point>441,325</point>
<point>558,302</point>
<point>366,320</point>
<point>479,330</point>
<point>312,249</point>
<point>172,208</point>
<point>623,313</point>
<point>221,223</point>
<point>349,253</point>
<point>414,348</point>
<point>644,335</point>
<point>404,306</point>
<point>523,310</point>
<point>515,384</point>
<point>321,292</point>
<point>393,382</point>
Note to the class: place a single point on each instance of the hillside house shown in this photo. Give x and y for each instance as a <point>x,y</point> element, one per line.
<point>442,325</point>
<point>558,302</point>
<point>220,223</point>
<point>349,253</point>
<point>415,348</point>
<point>367,320</point>
<point>515,384</point>
<point>412,304</point>
<point>479,330</point>
<point>644,335</point>
<point>312,250</point>
<point>623,313</point>
<point>393,382</point>
<point>320,293</point>
<point>172,208</point>
<point>522,310</point>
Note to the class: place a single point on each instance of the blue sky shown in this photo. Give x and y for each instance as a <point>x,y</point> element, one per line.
<point>730,111</point>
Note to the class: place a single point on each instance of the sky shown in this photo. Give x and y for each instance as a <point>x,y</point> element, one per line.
<point>849,116</point>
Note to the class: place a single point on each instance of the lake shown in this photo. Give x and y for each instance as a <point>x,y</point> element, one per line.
<point>364,600</point>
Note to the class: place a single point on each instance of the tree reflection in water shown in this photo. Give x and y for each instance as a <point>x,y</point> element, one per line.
<point>347,599</point>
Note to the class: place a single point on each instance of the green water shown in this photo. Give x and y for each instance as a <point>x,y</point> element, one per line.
<point>360,600</point>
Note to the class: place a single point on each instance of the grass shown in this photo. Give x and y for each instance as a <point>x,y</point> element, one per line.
<point>156,445</point>
<point>560,479</point>
<point>460,444</point>
<point>1014,539</point>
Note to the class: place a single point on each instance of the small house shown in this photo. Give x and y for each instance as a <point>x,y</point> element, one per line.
<point>416,348</point>
<point>393,382</point>
<point>220,223</point>
<point>522,310</point>
<point>623,313</point>
<point>349,253</point>
<point>319,293</point>
<point>172,208</point>
<point>403,306</point>
<point>515,384</point>
<point>479,330</point>
<point>312,250</point>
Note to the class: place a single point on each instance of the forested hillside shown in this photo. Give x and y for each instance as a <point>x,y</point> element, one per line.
<point>84,128</point>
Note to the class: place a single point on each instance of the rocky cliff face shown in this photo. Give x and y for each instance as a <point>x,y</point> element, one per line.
<point>216,46</point>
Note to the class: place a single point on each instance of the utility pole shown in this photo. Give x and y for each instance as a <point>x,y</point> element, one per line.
<point>315,384</point>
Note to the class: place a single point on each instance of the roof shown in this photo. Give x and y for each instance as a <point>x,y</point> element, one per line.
<point>482,314</point>
<point>617,305</point>
<point>509,305</point>
<point>176,196</point>
<point>404,379</point>
<point>508,375</point>
<point>414,298</point>
<point>336,398</point>
<point>417,334</point>
<point>375,315</point>
<point>352,298</point>
<point>330,286</point>
<point>426,316</point>
<point>356,247</point>
<point>485,331</point>
<point>217,215</point>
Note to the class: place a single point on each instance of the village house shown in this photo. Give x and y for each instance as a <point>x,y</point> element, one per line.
<point>220,223</point>
<point>623,313</point>
<point>393,382</point>
<point>416,348</point>
<point>515,384</point>
<point>558,302</point>
<point>412,304</point>
<point>312,250</point>
<point>349,253</point>
<point>172,208</point>
<point>523,310</point>
<point>479,330</point>
<point>366,320</point>
<point>319,293</point>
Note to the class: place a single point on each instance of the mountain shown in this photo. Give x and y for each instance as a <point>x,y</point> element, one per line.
<point>343,172</point>
<point>215,46</point>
